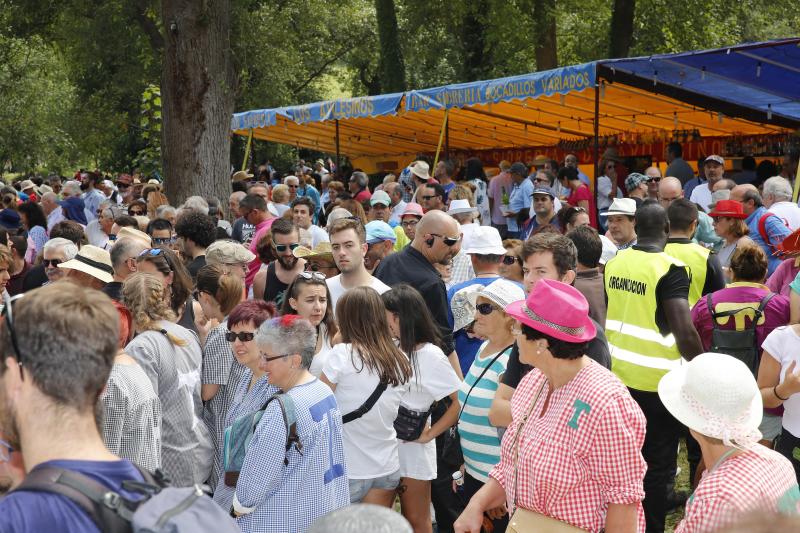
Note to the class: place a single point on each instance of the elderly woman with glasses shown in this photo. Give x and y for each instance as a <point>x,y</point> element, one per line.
<point>308,296</point>
<point>292,476</point>
<point>572,455</point>
<point>253,388</point>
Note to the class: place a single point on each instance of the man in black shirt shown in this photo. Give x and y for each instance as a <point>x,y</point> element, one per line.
<point>195,232</point>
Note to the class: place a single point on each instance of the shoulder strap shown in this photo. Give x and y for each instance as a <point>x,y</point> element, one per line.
<point>107,509</point>
<point>366,406</point>
<point>289,414</point>
<point>762,229</point>
<point>483,372</point>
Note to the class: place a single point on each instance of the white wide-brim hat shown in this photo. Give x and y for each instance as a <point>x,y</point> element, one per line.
<point>717,396</point>
<point>461,206</point>
<point>93,261</point>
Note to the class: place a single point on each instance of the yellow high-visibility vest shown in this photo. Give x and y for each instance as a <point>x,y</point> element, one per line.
<point>695,257</point>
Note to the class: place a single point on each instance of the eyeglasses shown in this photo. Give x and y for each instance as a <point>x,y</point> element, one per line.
<point>409,223</point>
<point>509,260</point>
<point>653,179</point>
<point>283,247</point>
<point>135,212</point>
<point>152,252</point>
<point>293,186</point>
<point>486,309</point>
<point>448,241</point>
<point>427,197</point>
<point>5,451</point>
<point>8,304</point>
<point>163,240</point>
<point>318,276</point>
<point>51,263</point>
<point>267,359</point>
<point>243,336</point>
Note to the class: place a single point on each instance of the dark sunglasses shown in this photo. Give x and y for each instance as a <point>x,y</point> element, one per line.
<point>163,240</point>
<point>51,262</point>
<point>427,197</point>
<point>283,247</point>
<point>243,336</point>
<point>653,179</point>
<point>152,252</point>
<point>122,186</point>
<point>8,304</point>
<point>448,241</point>
<point>486,308</point>
<point>135,213</point>
<point>509,260</point>
<point>312,276</point>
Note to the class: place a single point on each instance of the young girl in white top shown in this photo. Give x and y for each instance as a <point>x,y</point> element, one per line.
<point>308,297</point>
<point>433,378</point>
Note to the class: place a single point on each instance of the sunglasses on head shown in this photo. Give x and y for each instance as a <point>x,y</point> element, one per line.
<point>318,276</point>
<point>509,260</point>
<point>283,247</point>
<point>448,241</point>
<point>51,262</point>
<point>243,336</point>
<point>152,252</point>
<point>486,308</point>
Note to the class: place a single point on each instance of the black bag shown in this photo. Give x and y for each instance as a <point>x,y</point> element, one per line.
<point>742,344</point>
<point>451,444</point>
<point>366,406</point>
<point>409,424</point>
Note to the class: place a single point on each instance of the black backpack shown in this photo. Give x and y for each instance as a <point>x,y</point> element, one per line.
<point>742,344</point>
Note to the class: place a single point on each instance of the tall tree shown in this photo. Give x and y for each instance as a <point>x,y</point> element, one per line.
<point>621,30</point>
<point>392,67</point>
<point>197,92</point>
<point>544,35</point>
<point>477,62</point>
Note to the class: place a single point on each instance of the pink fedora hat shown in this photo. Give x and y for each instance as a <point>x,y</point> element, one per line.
<point>555,309</point>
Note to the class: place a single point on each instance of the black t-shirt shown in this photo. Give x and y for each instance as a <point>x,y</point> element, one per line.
<point>195,265</point>
<point>597,350</point>
<point>35,278</point>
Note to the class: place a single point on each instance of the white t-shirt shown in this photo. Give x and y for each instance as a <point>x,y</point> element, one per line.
<point>370,442</point>
<point>318,235</point>
<point>783,344</point>
<point>336,288</point>
<point>320,357</point>
<point>789,212</point>
<point>434,378</point>
<point>701,195</point>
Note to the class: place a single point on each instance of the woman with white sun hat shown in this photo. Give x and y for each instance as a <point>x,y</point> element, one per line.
<point>717,398</point>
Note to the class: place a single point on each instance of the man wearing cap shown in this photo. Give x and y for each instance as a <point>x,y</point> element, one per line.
<point>90,268</point>
<point>349,247</point>
<point>717,398</point>
<point>485,251</point>
<point>706,271</point>
<point>231,255</point>
<point>380,243</point>
<point>766,229</point>
<point>653,179</point>
<point>714,168</point>
<point>381,209</point>
<point>636,185</point>
<point>519,199</point>
<point>30,188</point>
<point>649,330</point>
<point>464,213</point>
<point>410,218</point>
<point>621,222</point>
<point>543,205</point>
<point>302,210</point>
<point>420,175</point>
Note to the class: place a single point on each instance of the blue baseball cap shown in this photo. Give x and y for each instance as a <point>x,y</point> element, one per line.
<point>379,231</point>
<point>544,190</point>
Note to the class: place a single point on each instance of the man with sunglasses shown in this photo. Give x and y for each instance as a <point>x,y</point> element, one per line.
<point>653,179</point>
<point>57,251</point>
<point>271,285</point>
<point>432,197</point>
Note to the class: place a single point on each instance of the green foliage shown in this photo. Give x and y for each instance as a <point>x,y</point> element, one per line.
<point>148,159</point>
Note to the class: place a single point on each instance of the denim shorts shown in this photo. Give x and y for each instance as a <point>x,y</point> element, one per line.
<point>360,487</point>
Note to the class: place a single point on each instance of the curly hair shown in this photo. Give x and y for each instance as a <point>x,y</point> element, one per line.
<point>200,228</point>
<point>145,297</point>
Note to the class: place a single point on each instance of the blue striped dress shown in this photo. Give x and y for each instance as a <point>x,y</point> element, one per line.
<point>479,440</point>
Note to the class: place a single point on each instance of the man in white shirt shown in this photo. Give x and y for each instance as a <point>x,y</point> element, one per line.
<point>52,209</point>
<point>349,245</point>
<point>714,168</point>
<point>395,192</point>
<point>302,210</point>
<point>777,197</point>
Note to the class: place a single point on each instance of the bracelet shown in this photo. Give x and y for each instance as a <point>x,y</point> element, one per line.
<point>775,392</point>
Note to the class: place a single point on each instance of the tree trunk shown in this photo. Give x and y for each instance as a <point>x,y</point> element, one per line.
<point>545,46</point>
<point>621,31</point>
<point>197,91</point>
<point>473,37</point>
<point>392,68</point>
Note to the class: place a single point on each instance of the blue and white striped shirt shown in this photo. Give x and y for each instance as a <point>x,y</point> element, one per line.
<point>479,440</point>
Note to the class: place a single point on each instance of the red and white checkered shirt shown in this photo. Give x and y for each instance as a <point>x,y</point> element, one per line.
<point>757,480</point>
<point>583,454</point>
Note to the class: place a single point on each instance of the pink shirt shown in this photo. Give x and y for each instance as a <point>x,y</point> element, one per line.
<point>583,454</point>
<point>759,479</point>
<point>255,264</point>
<point>780,279</point>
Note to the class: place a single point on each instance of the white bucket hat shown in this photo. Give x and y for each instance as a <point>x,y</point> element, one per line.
<point>93,261</point>
<point>715,395</point>
<point>460,206</point>
<point>484,240</point>
<point>502,292</point>
<point>621,206</point>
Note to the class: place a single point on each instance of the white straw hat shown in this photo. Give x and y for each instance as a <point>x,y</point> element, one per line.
<point>93,261</point>
<point>715,395</point>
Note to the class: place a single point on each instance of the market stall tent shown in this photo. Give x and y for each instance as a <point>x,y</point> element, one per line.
<point>748,89</point>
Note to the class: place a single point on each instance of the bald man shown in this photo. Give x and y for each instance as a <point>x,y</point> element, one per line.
<point>653,179</point>
<point>767,233</point>
<point>669,190</point>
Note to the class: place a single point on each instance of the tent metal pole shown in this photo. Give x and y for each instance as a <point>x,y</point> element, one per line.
<point>596,148</point>
<point>338,171</point>
<point>247,150</point>
<point>447,139</point>
<point>441,138</point>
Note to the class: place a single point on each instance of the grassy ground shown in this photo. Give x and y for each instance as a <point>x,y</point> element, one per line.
<point>681,483</point>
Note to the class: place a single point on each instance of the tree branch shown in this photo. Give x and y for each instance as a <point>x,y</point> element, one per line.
<point>147,24</point>
<point>322,68</point>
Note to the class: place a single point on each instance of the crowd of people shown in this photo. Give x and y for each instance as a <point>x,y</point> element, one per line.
<point>481,349</point>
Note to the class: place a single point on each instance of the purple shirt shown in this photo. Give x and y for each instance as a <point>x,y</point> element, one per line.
<point>776,313</point>
<point>780,279</point>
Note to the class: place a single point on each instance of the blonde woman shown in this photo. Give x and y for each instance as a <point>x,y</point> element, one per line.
<point>170,356</point>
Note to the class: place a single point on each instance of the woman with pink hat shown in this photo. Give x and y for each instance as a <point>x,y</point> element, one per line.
<point>570,459</point>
